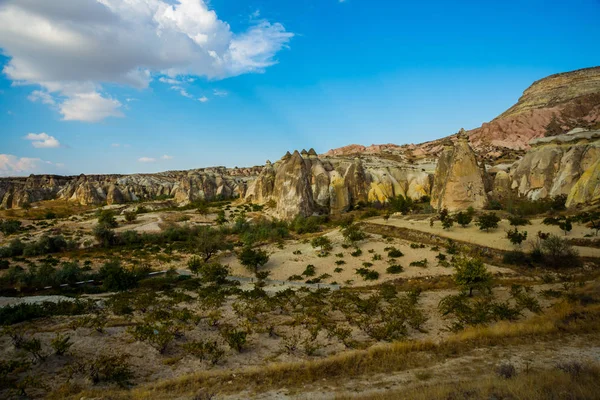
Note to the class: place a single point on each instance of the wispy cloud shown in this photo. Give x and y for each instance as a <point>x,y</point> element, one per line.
<point>203,99</point>
<point>167,157</point>
<point>220,93</point>
<point>146,159</point>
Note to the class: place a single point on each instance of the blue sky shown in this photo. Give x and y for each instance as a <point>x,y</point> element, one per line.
<point>234,83</point>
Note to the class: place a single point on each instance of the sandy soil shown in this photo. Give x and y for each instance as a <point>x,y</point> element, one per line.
<point>283,263</point>
<point>494,238</point>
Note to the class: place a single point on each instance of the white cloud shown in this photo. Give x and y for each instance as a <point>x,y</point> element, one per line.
<point>203,99</point>
<point>220,93</point>
<point>115,145</point>
<point>71,47</point>
<point>11,165</point>
<point>89,107</point>
<point>42,96</point>
<point>146,159</point>
<point>42,140</point>
<point>167,157</point>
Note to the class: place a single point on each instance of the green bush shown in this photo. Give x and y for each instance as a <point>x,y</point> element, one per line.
<point>116,278</point>
<point>395,253</point>
<point>472,274</point>
<point>394,269</point>
<point>309,270</point>
<point>61,344</point>
<point>9,227</point>
<point>488,221</point>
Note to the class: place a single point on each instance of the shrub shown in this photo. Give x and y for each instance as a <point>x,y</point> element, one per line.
<point>105,235</point>
<point>401,204</point>
<point>463,218</point>
<point>565,225</point>
<point>338,270</point>
<point>14,314</point>
<point>516,237</point>
<point>559,253</point>
<point>61,344</point>
<point>322,242</point>
<point>34,347</point>
<point>156,335</point>
<point>353,234</point>
<point>488,221</point>
<point>116,278</point>
<point>517,220</point>
<point>108,368</point>
<point>10,227</point>
<point>340,262</point>
<point>368,274</point>
<point>217,273</point>
<point>356,253</point>
<point>130,216</point>
<point>107,218</point>
<point>236,339</point>
<point>421,263</point>
<point>394,269</point>
<point>205,350</point>
<point>253,259</point>
<point>194,264</point>
<point>447,222</point>
<point>376,257</point>
<point>515,258</point>
<point>395,253</point>
<point>471,274</point>
<point>309,271</point>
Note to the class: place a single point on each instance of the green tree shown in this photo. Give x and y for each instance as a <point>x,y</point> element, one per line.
<point>323,242</point>
<point>352,233</point>
<point>130,216</point>
<point>221,219</point>
<point>472,274</point>
<point>115,278</point>
<point>214,273</point>
<point>105,235</point>
<point>464,218</point>
<point>566,225</point>
<point>107,218</point>
<point>488,221</point>
<point>253,259</point>
<point>209,242</point>
<point>516,237</point>
<point>61,344</point>
<point>447,222</point>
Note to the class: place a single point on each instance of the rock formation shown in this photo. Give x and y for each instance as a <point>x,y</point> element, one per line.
<point>458,180</point>
<point>183,186</point>
<point>554,164</point>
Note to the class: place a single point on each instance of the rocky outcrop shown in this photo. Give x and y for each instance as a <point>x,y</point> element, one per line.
<point>183,186</point>
<point>335,184</point>
<point>293,188</point>
<point>554,165</point>
<point>458,180</point>
<point>587,189</point>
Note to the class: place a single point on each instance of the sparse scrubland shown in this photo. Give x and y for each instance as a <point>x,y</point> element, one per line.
<point>219,300</point>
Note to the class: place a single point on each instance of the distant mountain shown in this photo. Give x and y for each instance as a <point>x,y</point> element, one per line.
<point>572,99</point>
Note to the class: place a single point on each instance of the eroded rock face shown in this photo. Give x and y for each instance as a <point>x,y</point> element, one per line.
<point>182,186</point>
<point>336,184</point>
<point>554,165</point>
<point>458,181</point>
<point>292,189</point>
<point>587,189</point>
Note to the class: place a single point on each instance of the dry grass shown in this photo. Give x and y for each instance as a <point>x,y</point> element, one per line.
<point>564,318</point>
<point>61,208</point>
<point>539,385</point>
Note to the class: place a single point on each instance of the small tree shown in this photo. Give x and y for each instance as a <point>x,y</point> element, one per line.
<point>565,225</point>
<point>471,274</point>
<point>221,219</point>
<point>488,221</point>
<point>61,344</point>
<point>464,218</point>
<point>203,209</point>
<point>447,222</point>
<point>516,237</point>
<point>253,259</point>
<point>352,234</point>
<point>195,264</point>
<point>214,273</point>
<point>517,220</point>
<point>130,216</point>
<point>107,218</point>
<point>209,242</point>
<point>323,242</point>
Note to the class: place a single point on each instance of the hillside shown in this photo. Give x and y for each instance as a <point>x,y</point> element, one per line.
<point>574,97</point>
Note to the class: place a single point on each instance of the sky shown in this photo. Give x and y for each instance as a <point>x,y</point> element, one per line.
<point>136,86</point>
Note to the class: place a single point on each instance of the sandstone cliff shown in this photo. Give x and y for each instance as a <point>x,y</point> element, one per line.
<point>555,164</point>
<point>183,186</point>
<point>458,180</point>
